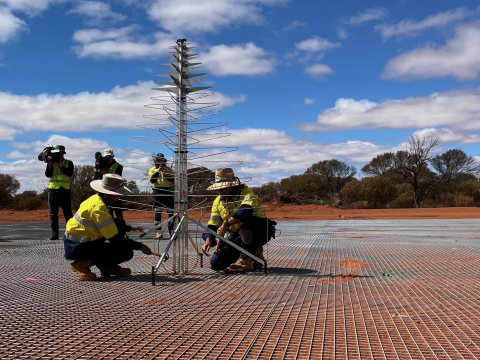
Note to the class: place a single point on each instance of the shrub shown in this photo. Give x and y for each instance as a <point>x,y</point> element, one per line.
<point>28,200</point>
<point>462,200</point>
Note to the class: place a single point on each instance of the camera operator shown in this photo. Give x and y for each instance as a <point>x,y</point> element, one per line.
<point>59,170</point>
<point>161,177</point>
<point>112,167</point>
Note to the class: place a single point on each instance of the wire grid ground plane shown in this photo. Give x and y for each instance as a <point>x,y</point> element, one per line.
<point>335,290</point>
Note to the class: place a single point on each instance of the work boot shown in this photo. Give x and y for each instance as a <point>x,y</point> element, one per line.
<point>259,254</point>
<point>117,271</point>
<point>245,264</point>
<point>54,235</point>
<point>82,268</point>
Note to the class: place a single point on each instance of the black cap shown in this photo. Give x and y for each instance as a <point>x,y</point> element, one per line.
<point>60,148</point>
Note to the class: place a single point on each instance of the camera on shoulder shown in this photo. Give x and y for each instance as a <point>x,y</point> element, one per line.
<point>49,154</point>
<point>101,162</point>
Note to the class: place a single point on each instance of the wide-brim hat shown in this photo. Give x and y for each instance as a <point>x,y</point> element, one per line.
<point>224,178</point>
<point>111,184</point>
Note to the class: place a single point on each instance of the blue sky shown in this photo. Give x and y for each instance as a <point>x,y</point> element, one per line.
<point>297,81</point>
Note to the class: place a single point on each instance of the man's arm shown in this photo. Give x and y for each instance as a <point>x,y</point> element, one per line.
<point>67,170</point>
<point>49,170</point>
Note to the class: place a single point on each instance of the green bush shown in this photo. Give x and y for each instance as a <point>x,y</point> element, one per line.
<point>28,200</point>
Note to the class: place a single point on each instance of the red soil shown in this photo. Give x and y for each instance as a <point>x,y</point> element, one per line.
<point>286,213</point>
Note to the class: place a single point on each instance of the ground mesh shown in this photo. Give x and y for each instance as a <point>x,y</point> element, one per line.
<point>335,290</point>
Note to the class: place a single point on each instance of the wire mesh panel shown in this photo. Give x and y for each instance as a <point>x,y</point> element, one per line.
<point>335,290</point>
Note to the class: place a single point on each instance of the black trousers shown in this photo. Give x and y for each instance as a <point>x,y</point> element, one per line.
<point>162,198</point>
<point>59,198</point>
<point>103,254</point>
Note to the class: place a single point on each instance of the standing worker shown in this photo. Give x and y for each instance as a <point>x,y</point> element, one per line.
<point>113,168</point>
<point>59,189</point>
<point>161,177</point>
<point>235,214</point>
<point>87,232</point>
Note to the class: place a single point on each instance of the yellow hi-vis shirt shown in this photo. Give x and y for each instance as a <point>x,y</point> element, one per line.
<point>161,182</point>
<point>91,222</point>
<point>58,178</point>
<point>223,210</point>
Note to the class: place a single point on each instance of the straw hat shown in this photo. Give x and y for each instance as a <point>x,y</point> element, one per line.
<point>111,184</point>
<point>224,178</point>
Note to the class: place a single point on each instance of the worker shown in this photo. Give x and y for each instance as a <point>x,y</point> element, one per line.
<point>113,167</point>
<point>93,237</point>
<point>161,177</point>
<point>59,170</point>
<point>236,215</point>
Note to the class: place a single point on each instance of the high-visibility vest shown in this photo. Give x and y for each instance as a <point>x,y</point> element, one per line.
<point>58,178</point>
<point>162,182</point>
<point>111,169</point>
<point>223,210</point>
<point>91,222</point>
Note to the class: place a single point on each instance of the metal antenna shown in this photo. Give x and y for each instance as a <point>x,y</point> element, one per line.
<point>182,108</point>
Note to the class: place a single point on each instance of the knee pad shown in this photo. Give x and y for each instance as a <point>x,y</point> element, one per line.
<point>246,236</point>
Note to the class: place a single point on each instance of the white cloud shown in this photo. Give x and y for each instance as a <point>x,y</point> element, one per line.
<point>447,135</point>
<point>457,110</point>
<point>316,44</point>
<point>365,16</point>
<point>293,25</point>
<point>241,59</point>
<point>10,25</point>
<point>412,28</point>
<point>96,11</point>
<point>342,33</point>
<point>207,15</point>
<point>309,101</point>
<point>458,58</point>
<point>30,7</point>
<point>121,108</point>
<point>318,71</point>
<point>120,43</point>
<point>17,155</point>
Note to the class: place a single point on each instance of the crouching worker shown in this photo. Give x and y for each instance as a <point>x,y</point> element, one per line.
<point>93,237</point>
<point>237,216</point>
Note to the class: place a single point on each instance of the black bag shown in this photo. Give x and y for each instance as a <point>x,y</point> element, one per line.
<point>271,229</point>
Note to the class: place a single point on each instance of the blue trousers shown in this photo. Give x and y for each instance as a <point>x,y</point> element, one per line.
<point>228,255</point>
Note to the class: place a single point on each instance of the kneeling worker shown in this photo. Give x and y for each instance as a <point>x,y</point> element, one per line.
<point>92,226</point>
<point>235,211</point>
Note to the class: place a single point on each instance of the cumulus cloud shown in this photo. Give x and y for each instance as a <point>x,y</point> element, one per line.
<point>30,7</point>
<point>207,15</point>
<point>241,59</point>
<point>309,101</point>
<point>447,135</point>
<point>293,25</point>
<point>408,27</point>
<point>96,11</point>
<point>366,16</point>
<point>122,43</point>
<point>456,110</point>
<point>318,71</point>
<point>121,108</point>
<point>10,25</point>
<point>316,44</point>
<point>458,58</point>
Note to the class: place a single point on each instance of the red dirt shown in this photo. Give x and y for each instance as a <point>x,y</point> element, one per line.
<point>286,213</point>
<point>353,264</point>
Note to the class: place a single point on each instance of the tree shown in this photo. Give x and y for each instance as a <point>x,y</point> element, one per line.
<point>28,200</point>
<point>336,173</point>
<point>8,187</point>
<point>80,189</point>
<point>455,164</point>
<point>413,158</point>
<point>376,191</point>
<point>303,189</point>
<point>380,165</point>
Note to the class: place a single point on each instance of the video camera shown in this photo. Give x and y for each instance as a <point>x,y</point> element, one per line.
<point>49,154</point>
<point>100,163</point>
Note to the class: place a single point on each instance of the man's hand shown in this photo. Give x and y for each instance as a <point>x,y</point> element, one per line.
<point>222,229</point>
<point>207,246</point>
<point>60,165</point>
<point>137,228</point>
<point>102,171</point>
<point>146,250</point>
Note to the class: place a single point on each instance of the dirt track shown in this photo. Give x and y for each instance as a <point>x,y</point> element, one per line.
<point>287,213</point>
